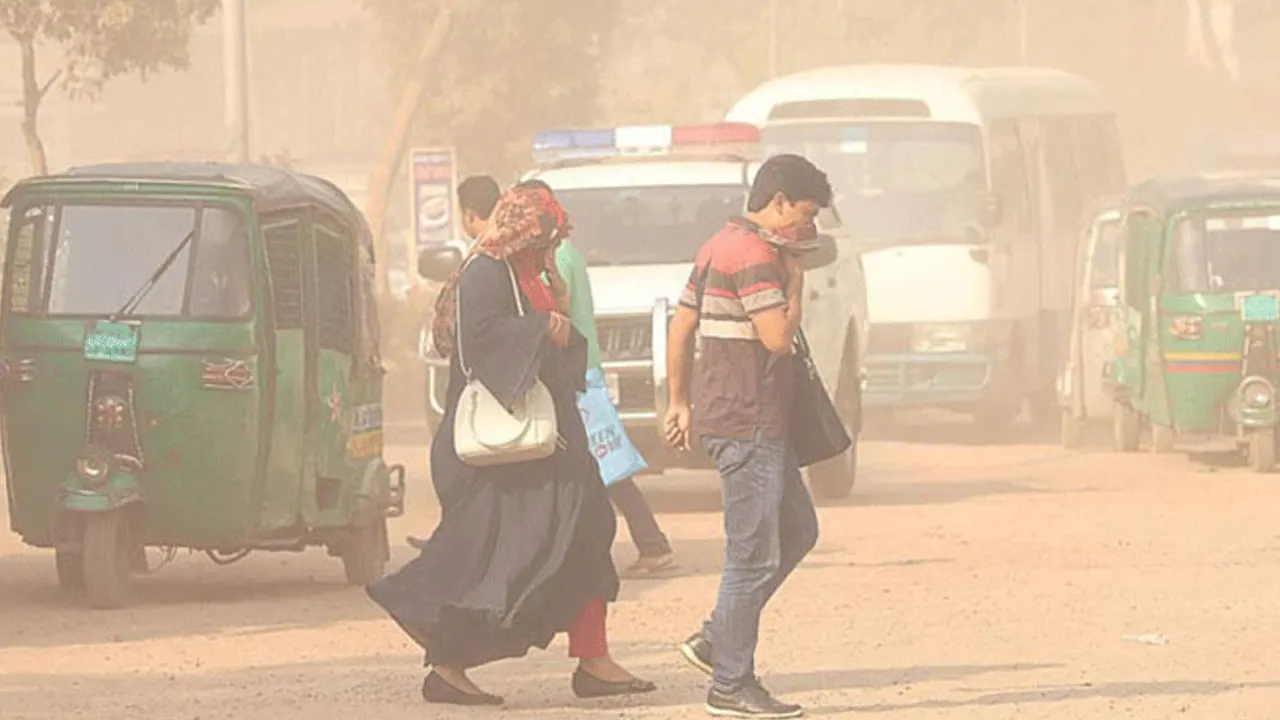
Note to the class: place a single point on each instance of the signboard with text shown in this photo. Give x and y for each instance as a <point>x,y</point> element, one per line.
<point>432,181</point>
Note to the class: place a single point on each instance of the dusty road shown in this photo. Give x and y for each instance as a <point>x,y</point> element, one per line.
<point>963,582</point>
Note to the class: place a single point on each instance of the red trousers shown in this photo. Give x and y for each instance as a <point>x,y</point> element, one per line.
<point>588,639</point>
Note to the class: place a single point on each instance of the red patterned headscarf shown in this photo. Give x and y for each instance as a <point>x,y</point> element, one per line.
<point>525,225</point>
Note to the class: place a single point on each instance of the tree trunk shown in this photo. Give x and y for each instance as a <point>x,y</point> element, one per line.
<point>32,95</point>
<point>383,176</point>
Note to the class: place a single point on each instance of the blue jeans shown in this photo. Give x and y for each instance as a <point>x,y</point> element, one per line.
<point>769,525</point>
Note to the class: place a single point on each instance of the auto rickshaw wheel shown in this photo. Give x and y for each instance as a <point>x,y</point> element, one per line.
<point>1262,450</point>
<point>70,567</point>
<point>1126,428</point>
<point>365,553</point>
<point>108,559</point>
<point>1162,439</point>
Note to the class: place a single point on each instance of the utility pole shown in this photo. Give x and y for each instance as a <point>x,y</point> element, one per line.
<point>773,38</point>
<point>1023,31</point>
<point>235,69</point>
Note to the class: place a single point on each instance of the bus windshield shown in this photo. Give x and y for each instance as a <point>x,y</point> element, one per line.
<point>895,182</point>
<point>99,259</point>
<point>1228,253</point>
<point>648,225</point>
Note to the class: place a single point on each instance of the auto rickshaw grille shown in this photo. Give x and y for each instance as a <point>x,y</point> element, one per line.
<point>284,263</point>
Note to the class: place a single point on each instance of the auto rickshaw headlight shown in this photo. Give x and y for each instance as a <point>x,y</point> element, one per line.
<point>1257,394</point>
<point>93,468</point>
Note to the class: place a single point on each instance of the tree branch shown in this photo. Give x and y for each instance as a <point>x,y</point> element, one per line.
<point>48,85</point>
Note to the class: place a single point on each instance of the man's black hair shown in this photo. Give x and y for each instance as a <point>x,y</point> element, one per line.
<point>534,184</point>
<point>479,194</point>
<point>795,177</point>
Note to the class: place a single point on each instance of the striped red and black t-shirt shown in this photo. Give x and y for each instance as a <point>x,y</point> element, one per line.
<point>739,387</point>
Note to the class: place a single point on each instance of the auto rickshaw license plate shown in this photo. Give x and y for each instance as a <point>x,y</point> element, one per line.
<point>107,341</point>
<point>1260,308</point>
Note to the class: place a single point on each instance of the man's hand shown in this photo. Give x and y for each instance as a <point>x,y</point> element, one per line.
<point>678,427</point>
<point>558,327</point>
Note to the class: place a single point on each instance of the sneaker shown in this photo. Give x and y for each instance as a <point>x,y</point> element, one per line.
<point>752,701</point>
<point>697,652</point>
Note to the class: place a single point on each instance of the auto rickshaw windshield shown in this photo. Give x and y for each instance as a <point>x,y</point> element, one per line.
<point>1227,253</point>
<point>102,256</point>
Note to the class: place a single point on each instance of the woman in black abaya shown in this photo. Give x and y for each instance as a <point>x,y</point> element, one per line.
<point>522,551</point>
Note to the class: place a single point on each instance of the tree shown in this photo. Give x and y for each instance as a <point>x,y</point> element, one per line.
<point>98,40</point>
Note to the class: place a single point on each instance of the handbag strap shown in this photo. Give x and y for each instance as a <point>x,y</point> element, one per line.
<point>457,309</point>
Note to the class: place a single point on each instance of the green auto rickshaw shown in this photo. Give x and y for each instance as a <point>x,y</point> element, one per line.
<point>1196,360</point>
<point>189,359</point>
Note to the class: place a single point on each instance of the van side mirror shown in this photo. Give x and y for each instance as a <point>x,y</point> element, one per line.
<point>439,262</point>
<point>826,253</point>
<point>992,214</point>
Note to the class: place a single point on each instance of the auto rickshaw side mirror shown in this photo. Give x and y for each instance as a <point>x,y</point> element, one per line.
<point>438,263</point>
<point>825,254</point>
<point>992,215</point>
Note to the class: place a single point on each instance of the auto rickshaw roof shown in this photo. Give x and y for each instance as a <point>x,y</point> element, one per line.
<point>1171,195</point>
<point>270,187</point>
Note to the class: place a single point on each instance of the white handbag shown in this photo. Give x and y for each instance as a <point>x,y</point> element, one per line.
<point>484,433</point>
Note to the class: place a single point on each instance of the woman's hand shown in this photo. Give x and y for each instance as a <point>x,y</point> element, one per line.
<point>558,327</point>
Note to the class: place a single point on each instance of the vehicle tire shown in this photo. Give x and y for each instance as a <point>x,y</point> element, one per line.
<point>108,559</point>
<point>365,553</point>
<point>1071,429</point>
<point>1262,450</point>
<point>1126,428</point>
<point>1162,439</point>
<point>70,567</point>
<point>835,478</point>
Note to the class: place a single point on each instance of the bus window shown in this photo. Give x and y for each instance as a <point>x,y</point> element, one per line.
<point>1097,152</point>
<point>1065,198</point>
<point>1009,179</point>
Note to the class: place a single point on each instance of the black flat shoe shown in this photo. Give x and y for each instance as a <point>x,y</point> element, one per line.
<point>437,691</point>
<point>589,687</point>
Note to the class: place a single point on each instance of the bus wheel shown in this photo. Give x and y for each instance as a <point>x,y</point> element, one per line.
<point>1162,439</point>
<point>108,559</point>
<point>365,553</point>
<point>1125,427</point>
<point>1262,450</point>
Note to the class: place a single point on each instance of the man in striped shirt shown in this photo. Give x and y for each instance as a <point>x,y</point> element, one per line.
<point>743,300</point>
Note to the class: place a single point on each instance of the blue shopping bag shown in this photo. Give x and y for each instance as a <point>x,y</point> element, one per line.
<point>606,437</point>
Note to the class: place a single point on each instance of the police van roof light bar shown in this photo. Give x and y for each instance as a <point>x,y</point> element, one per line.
<point>645,140</point>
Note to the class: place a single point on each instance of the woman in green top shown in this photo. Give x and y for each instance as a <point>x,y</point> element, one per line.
<point>655,549</point>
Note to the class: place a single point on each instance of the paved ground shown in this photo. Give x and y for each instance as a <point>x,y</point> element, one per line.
<point>962,582</point>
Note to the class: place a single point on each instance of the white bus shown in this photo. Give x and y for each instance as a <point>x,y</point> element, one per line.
<point>963,191</point>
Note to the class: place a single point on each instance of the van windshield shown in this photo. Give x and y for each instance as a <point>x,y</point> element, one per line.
<point>100,255</point>
<point>648,225</point>
<point>1228,253</point>
<point>895,181</point>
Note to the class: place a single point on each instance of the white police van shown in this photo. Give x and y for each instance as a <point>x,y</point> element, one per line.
<point>642,200</point>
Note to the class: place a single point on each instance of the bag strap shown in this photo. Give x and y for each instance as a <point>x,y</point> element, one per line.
<point>457,307</point>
